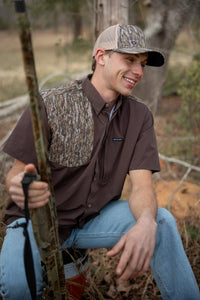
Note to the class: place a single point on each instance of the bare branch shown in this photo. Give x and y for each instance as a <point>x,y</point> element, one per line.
<point>13,105</point>
<point>180,162</point>
<point>179,138</point>
<point>178,186</point>
<point>183,163</point>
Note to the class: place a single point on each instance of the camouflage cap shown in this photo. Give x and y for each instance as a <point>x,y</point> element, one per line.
<point>127,39</point>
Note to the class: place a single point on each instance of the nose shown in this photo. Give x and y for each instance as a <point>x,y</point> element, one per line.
<point>137,70</point>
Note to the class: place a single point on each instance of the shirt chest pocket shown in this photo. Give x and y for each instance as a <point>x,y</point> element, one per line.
<point>111,151</point>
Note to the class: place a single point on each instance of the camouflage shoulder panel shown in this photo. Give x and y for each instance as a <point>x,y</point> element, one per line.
<point>70,118</point>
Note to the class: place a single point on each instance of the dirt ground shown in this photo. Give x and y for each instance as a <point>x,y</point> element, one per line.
<point>184,202</point>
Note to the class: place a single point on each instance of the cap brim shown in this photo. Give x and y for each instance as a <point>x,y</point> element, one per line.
<point>155,58</point>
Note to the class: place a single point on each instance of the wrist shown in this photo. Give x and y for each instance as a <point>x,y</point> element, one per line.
<point>147,218</point>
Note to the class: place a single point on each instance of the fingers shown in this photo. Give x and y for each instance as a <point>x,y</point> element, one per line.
<point>132,260</point>
<point>132,266</point>
<point>30,168</point>
<point>38,193</point>
<point>128,255</point>
<point>117,248</point>
<point>137,247</point>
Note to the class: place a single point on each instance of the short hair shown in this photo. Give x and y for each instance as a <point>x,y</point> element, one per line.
<point>94,63</point>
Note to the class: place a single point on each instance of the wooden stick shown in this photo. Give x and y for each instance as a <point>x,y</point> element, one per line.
<point>44,220</point>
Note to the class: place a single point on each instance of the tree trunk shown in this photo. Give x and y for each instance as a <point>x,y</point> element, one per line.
<point>77,26</point>
<point>74,7</point>
<point>163,24</point>
<point>110,12</point>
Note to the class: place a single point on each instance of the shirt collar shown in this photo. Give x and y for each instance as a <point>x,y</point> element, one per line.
<point>94,97</point>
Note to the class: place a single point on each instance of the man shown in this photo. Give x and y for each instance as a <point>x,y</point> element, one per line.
<point>97,134</point>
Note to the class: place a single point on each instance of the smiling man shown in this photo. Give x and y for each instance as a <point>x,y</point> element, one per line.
<point>97,134</point>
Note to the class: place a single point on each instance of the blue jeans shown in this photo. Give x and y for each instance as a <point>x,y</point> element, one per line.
<point>170,266</point>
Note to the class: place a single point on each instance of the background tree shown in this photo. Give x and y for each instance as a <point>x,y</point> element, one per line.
<point>110,12</point>
<point>162,24</point>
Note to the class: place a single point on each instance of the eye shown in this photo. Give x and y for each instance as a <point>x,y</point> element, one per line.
<point>130,59</point>
<point>143,63</point>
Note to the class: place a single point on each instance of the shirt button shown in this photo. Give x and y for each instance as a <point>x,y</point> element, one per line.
<point>107,104</point>
<point>89,205</point>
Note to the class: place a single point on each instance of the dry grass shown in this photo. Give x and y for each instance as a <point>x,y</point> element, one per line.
<point>141,288</point>
<point>53,55</point>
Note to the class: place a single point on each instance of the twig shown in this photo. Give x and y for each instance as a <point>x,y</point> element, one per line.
<point>178,186</point>
<point>180,162</point>
<point>11,106</point>
<point>179,138</point>
<point>51,76</point>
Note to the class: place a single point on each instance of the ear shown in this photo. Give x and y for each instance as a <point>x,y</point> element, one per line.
<point>99,56</point>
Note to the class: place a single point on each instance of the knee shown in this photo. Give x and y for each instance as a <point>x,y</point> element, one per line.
<point>11,284</point>
<point>164,216</point>
<point>166,221</point>
<point>13,289</point>
<point>14,286</point>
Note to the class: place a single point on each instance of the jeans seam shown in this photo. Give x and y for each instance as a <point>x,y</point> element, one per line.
<point>3,289</point>
<point>164,286</point>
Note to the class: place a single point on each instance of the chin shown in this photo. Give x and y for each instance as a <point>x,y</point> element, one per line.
<point>126,93</point>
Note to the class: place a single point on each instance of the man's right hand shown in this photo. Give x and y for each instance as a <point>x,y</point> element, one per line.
<point>38,193</point>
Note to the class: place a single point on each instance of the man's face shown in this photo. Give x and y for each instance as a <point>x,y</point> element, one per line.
<point>123,71</point>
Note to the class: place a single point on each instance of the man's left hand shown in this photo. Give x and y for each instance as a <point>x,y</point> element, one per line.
<point>137,247</point>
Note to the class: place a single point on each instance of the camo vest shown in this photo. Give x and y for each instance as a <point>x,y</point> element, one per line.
<point>70,119</point>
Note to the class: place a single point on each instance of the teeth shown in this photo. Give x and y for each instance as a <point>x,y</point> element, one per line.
<point>129,80</point>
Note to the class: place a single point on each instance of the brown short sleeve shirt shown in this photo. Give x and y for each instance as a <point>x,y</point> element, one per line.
<point>122,142</point>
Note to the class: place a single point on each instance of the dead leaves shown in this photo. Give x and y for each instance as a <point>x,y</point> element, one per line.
<point>105,279</point>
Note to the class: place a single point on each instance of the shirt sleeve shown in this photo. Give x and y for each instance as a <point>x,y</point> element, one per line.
<point>20,144</point>
<point>145,155</point>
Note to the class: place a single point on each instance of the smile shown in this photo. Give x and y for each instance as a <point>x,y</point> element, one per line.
<point>130,80</point>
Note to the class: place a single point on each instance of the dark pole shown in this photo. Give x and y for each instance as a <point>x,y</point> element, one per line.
<point>44,220</point>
